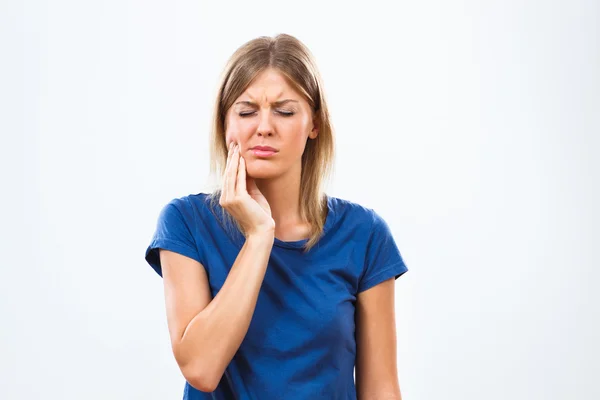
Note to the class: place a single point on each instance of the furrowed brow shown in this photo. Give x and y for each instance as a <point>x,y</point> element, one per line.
<point>275,103</point>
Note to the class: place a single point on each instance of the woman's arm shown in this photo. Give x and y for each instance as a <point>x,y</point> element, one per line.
<point>376,369</point>
<point>206,333</point>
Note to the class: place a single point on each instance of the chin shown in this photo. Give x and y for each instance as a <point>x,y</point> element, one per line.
<point>262,171</point>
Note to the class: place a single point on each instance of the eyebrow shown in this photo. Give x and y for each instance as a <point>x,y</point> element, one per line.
<point>275,103</point>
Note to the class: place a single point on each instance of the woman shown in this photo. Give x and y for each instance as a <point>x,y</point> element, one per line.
<point>273,289</point>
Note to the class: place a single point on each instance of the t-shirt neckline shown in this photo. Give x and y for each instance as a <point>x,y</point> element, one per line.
<point>297,244</point>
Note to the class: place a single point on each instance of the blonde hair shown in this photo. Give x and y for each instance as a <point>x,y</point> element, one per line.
<point>293,59</point>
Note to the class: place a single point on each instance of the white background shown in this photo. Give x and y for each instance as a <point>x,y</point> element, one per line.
<point>472,127</point>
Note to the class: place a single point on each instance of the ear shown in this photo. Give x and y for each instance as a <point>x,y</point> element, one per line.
<point>315,131</point>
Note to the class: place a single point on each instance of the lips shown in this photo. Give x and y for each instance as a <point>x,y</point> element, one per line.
<point>263,151</point>
<point>264,148</point>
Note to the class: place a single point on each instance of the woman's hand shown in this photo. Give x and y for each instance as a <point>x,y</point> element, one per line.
<point>242,199</point>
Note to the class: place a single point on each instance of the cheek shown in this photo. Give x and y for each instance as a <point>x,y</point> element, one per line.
<point>230,136</point>
<point>301,140</point>
<point>232,133</point>
<point>237,130</point>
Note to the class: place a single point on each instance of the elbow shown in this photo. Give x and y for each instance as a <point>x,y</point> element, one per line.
<point>201,378</point>
<point>201,372</point>
<point>203,384</point>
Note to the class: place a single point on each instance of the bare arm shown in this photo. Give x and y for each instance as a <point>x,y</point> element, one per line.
<point>206,333</point>
<point>376,365</point>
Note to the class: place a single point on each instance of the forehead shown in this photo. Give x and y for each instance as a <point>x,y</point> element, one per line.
<point>270,85</point>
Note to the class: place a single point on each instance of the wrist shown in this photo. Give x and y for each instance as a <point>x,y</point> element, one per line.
<point>262,236</point>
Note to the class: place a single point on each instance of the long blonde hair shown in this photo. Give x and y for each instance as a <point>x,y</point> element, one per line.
<point>293,59</point>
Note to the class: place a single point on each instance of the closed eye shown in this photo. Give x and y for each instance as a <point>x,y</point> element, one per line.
<point>283,113</point>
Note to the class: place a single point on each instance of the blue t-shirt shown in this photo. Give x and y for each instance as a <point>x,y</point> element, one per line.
<point>301,342</point>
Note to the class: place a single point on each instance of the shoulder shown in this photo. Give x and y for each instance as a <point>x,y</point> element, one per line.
<point>191,203</point>
<point>191,210</point>
<point>361,214</point>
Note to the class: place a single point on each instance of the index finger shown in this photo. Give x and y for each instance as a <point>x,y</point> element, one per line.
<point>241,177</point>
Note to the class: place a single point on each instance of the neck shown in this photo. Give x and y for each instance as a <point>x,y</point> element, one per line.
<point>283,195</point>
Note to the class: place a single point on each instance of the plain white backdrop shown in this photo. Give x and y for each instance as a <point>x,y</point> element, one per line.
<point>472,127</point>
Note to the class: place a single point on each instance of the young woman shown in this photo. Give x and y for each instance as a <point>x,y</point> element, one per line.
<point>273,289</point>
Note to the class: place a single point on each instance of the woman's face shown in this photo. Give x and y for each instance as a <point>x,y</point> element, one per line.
<point>270,113</point>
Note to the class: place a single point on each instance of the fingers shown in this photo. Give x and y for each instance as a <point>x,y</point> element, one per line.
<point>241,177</point>
<point>232,172</point>
<point>226,191</point>
<point>229,148</point>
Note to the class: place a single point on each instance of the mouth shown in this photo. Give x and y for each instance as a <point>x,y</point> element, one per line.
<point>264,148</point>
<point>263,151</point>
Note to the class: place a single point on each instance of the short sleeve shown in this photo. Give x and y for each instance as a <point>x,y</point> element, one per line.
<point>383,260</point>
<point>174,232</point>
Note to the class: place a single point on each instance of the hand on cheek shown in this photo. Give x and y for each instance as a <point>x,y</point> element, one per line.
<point>231,138</point>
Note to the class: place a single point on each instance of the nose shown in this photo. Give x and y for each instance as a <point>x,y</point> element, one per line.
<point>265,127</point>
